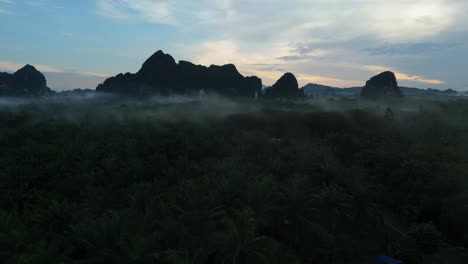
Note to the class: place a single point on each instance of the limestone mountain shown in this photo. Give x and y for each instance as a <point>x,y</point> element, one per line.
<point>161,74</point>
<point>286,87</point>
<point>26,82</point>
<point>383,85</point>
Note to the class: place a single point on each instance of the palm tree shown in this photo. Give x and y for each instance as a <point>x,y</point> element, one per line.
<point>335,205</point>
<point>241,244</point>
<point>294,207</point>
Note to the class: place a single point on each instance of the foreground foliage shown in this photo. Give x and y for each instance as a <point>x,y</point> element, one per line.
<point>287,184</point>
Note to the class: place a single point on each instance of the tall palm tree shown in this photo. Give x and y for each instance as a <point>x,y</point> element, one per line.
<point>241,244</point>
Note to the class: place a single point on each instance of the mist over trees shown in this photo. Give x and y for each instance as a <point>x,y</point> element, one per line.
<point>105,181</point>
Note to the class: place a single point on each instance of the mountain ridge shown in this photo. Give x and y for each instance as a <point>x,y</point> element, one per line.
<point>314,89</point>
<point>161,74</point>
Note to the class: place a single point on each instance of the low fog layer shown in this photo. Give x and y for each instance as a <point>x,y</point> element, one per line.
<point>110,108</point>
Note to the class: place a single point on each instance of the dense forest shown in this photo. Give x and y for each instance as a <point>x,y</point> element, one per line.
<point>181,180</point>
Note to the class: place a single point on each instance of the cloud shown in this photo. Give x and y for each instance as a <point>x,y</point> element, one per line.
<point>310,55</point>
<point>303,51</point>
<point>336,82</point>
<point>257,61</point>
<point>303,48</point>
<point>415,78</point>
<point>94,74</point>
<point>268,67</point>
<point>404,76</point>
<point>12,67</point>
<point>266,63</point>
<point>179,13</point>
<point>406,48</point>
<point>292,58</point>
<point>403,20</point>
<point>215,52</point>
<point>111,9</point>
<point>265,19</point>
<point>5,11</point>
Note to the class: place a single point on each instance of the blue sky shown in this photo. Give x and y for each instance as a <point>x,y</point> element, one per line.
<point>334,42</point>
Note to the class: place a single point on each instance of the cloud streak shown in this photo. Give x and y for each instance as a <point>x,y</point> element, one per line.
<point>404,76</point>
<point>4,11</point>
<point>150,11</point>
<point>395,20</point>
<point>406,48</point>
<point>12,67</point>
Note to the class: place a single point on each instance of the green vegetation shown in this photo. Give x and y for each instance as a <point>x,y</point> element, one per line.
<point>232,182</point>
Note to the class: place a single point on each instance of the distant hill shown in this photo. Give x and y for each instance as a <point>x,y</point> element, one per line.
<point>411,91</point>
<point>286,87</point>
<point>381,86</point>
<point>26,82</point>
<point>161,74</point>
<point>74,92</point>
<point>313,89</point>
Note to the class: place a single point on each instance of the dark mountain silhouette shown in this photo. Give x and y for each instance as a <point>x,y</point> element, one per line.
<point>411,91</point>
<point>4,80</point>
<point>285,87</point>
<point>160,74</point>
<point>383,85</point>
<point>445,92</point>
<point>73,93</point>
<point>26,82</point>
<point>313,89</point>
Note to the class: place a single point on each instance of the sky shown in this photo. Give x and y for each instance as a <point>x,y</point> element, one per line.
<point>77,44</point>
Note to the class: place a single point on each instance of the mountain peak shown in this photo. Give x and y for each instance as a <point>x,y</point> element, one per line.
<point>28,68</point>
<point>383,85</point>
<point>287,81</point>
<point>29,72</point>
<point>159,57</point>
<point>286,87</point>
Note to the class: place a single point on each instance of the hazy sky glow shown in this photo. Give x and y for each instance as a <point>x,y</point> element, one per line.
<point>334,42</point>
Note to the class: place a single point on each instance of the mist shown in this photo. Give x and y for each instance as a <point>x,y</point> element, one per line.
<point>113,108</point>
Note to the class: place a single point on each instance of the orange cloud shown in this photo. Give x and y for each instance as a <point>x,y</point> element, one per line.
<point>404,76</point>
<point>415,78</point>
<point>305,79</point>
